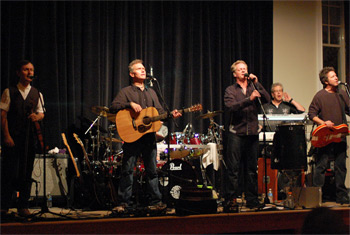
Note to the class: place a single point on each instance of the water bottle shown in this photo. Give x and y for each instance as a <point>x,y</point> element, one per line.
<point>270,195</point>
<point>49,200</point>
<point>289,202</point>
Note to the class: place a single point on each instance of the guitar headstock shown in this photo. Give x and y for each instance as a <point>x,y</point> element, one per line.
<point>64,139</point>
<point>195,108</point>
<point>77,139</point>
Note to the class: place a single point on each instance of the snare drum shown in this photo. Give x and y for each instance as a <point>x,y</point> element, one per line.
<point>289,147</point>
<point>177,138</point>
<point>194,139</point>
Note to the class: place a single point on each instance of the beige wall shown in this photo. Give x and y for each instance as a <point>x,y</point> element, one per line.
<point>297,51</point>
<point>297,48</point>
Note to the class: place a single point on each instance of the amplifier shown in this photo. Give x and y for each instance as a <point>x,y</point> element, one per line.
<point>309,197</point>
<point>56,173</point>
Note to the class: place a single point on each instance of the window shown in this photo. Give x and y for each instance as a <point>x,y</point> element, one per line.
<point>333,36</point>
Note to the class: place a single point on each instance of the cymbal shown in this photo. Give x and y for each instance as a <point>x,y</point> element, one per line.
<point>111,139</point>
<point>104,112</point>
<point>100,110</point>
<point>209,114</point>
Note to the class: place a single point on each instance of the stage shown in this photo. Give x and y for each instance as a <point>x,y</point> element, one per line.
<point>269,221</point>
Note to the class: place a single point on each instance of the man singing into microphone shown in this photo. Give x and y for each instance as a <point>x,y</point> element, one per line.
<point>20,106</point>
<point>329,106</point>
<point>241,101</point>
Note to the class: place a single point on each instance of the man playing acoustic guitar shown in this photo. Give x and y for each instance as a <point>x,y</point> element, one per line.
<point>328,108</point>
<point>21,109</point>
<point>136,98</point>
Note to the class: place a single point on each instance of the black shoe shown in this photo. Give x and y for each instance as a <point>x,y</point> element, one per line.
<point>255,205</point>
<point>24,212</point>
<point>122,208</point>
<point>343,201</point>
<point>231,206</point>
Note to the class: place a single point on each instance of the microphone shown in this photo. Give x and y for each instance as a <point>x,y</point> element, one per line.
<point>33,77</point>
<point>248,77</point>
<point>150,74</point>
<point>342,83</point>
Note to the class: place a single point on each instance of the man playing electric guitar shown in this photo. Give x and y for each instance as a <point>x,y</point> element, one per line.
<point>138,97</point>
<point>328,107</point>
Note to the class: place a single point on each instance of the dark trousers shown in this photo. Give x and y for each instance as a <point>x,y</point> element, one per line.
<point>336,151</point>
<point>146,148</point>
<point>16,172</point>
<point>241,156</point>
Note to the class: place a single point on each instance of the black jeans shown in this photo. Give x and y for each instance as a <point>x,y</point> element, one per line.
<point>337,151</point>
<point>241,156</point>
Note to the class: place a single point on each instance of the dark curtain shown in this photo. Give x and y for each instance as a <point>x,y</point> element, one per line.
<point>81,51</point>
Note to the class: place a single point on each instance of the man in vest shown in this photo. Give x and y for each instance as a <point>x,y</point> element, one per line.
<point>21,106</point>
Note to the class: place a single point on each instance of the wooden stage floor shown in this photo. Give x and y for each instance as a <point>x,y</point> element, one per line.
<point>274,221</point>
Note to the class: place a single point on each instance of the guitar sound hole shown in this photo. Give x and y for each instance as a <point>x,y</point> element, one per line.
<point>146,120</point>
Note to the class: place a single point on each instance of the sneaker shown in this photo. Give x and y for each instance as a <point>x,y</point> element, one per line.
<point>231,206</point>
<point>159,206</point>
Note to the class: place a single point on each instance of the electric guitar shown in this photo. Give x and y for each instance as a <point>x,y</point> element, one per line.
<point>323,135</point>
<point>132,126</point>
<point>84,151</point>
<point>70,154</point>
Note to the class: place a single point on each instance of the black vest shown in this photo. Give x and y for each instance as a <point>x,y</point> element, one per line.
<point>20,109</point>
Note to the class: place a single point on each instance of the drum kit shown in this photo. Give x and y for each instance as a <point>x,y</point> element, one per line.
<point>106,162</point>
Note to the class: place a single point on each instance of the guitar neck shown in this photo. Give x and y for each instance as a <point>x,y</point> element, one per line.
<point>165,115</point>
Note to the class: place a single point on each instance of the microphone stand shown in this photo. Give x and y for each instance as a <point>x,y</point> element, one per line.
<point>169,116</point>
<point>44,208</point>
<point>266,199</point>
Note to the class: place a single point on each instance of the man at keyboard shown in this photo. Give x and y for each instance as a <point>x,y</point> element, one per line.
<point>281,103</point>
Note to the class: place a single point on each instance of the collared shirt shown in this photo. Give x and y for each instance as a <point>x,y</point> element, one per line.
<point>244,112</point>
<point>6,100</point>
<point>146,98</point>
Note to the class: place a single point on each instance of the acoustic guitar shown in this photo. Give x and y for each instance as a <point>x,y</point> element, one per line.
<point>323,135</point>
<point>132,126</point>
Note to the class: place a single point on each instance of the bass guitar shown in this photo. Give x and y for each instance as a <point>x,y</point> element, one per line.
<point>132,126</point>
<point>323,135</point>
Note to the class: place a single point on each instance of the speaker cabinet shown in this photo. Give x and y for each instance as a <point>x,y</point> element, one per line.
<point>56,173</point>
